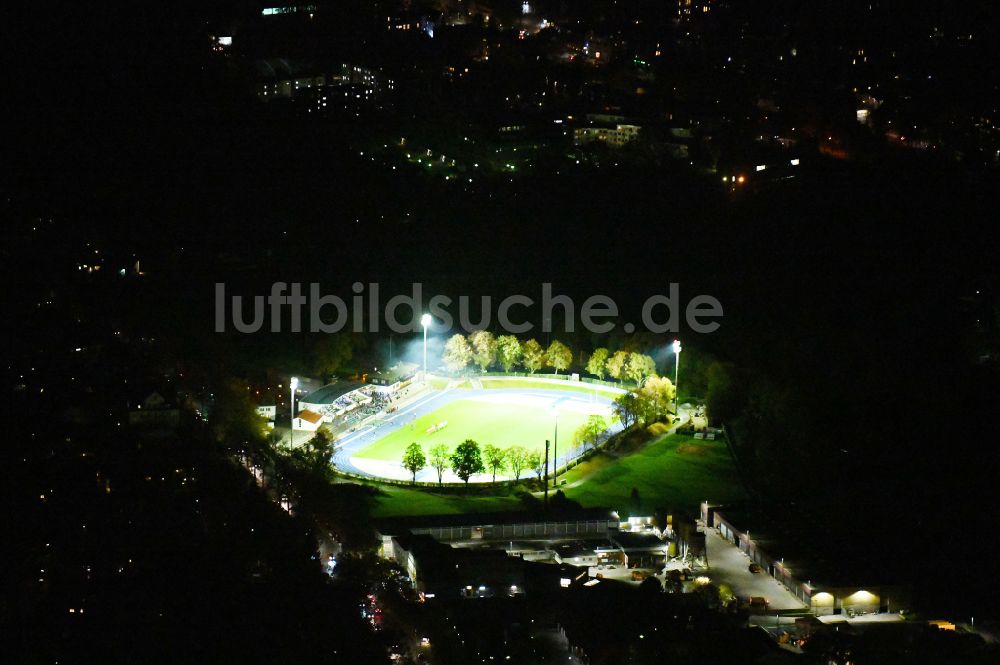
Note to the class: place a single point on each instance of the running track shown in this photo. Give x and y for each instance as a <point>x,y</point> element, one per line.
<point>349,445</point>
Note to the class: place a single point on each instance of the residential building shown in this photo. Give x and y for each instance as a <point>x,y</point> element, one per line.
<point>615,136</point>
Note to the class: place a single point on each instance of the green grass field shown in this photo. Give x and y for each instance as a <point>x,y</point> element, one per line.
<point>499,424</point>
<point>673,471</point>
<point>394,501</point>
<point>528,384</point>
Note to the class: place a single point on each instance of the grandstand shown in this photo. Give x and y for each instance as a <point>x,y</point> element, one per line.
<point>337,399</point>
<point>396,378</point>
<point>342,404</point>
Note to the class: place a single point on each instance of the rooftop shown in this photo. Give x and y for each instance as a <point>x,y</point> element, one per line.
<point>329,393</point>
<point>398,372</point>
<point>397,525</point>
<point>310,416</point>
<point>637,540</point>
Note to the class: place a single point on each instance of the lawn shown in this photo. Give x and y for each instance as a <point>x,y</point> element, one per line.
<point>529,384</point>
<point>527,423</point>
<point>671,472</point>
<point>395,500</point>
<point>438,383</point>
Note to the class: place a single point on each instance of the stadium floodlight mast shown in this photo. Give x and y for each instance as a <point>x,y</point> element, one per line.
<point>555,450</point>
<point>677,373</point>
<point>294,384</point>
<point>425,321</point>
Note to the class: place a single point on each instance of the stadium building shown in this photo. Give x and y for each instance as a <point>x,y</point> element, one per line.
<point>394,379</point>
<point>337,399</point>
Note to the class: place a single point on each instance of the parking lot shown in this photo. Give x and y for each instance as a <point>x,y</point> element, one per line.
<point>728,565</point>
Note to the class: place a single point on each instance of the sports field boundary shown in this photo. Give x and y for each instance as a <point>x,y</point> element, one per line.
<point>349,463</point>
<point>566,384</point>
<point>528,482</point>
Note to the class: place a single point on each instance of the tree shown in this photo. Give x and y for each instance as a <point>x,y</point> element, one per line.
<point>467,460</point>
<point>314,455</point>
<point>626,409</point>
<point>655,398</point>
<point>726,595</point>
<point>235,421</point>
<point>651,586</point>
<point>563,504</point>
<point>440,458</point>
<point>638,367</point>
<point>495,458</point>
<point>616,364</point>
<point>457,353</point>
<point>673,581</point>
<point>518,458</point>
<point>330,353</point>
<point>484,348</point>
<point>727,394</point>
<point>508,351</point>
<point>414,459</point>
<point>589,432</point>
<point>598,363</point>
<point>532,356</point>
<point>536,462</point>
<point>558,356</point>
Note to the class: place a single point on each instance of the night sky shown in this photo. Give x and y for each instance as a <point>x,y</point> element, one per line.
<point>859,287</point>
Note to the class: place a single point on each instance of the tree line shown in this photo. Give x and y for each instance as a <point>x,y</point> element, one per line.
<point>304,473</point>
<point>469,458</point>
<point>652,402</point>
<point>484,350</point>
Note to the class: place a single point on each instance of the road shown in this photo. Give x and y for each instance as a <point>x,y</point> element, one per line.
<point>729,565</point>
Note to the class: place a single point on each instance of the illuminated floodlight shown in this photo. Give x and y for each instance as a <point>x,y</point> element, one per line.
<point>425,321</point>
<point>677,372</point>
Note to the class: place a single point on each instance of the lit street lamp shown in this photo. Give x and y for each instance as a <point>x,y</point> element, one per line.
<point>425,321</point>
<point>677,373</point>
<point>291,435</point>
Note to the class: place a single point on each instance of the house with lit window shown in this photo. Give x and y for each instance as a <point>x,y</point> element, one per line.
<point>616,135</point>
<point>155,413</point>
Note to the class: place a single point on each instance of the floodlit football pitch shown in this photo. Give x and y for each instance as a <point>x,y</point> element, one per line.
<point>503,418</point>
